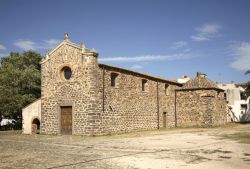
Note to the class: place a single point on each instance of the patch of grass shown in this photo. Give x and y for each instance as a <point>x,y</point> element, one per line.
<point>216,151</point>
<point>11,132</point>
<point>246,154</point>
<point>245,159</point>
<point>225,157</point>
<point>242,137</point>
<point>197,159</point>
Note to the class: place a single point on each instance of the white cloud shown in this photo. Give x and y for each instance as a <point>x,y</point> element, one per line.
<point>241,53</point>
<point>2,47</point>
<point>199,38</point>
<point>31,45</point>
<point>145,58</point>
<point>136,67</point>
<point>186,50</point>
<point>209,28</point>
<point>178,45</point>
<point>50,43</point>
<point>206,32</point>
<point>25,44</point>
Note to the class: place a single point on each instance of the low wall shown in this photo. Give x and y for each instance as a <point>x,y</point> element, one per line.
<point>29,113</point>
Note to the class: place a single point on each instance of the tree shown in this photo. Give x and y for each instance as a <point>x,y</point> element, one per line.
<point>19,83</point>
<point>247,91</point>
<point>247,72</point>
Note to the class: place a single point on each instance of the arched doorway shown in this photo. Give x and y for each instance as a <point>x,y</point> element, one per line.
<point>35,129</point>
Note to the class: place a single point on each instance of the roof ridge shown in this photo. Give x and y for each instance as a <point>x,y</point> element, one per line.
<point>142,74</point>
<point>200,82</point>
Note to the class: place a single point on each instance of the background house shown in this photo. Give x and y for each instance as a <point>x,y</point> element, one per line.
<point>238,103</point>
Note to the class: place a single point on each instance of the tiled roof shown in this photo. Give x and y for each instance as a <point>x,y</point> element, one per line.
<point>200,82</point>
<point>142,74</point>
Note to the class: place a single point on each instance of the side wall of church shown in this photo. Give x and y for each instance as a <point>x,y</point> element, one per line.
<point>127,108</point>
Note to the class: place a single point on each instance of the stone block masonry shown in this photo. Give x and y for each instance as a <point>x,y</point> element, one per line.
<point>200,103</point>
<point>103,99</point>
<point>126,107</point>
<point>200,108</point>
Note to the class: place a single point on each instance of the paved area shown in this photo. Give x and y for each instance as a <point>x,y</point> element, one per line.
<point>224,147</point>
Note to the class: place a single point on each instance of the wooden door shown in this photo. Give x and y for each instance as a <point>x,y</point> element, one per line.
<point>164,119</point>
<point>66,120</point>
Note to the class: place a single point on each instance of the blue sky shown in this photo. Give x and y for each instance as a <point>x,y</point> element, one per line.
<point>164,38</point>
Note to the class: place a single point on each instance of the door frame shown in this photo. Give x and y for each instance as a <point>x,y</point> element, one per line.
<point>164,122</point>
<point>33,118</point>
<point>64,103</point>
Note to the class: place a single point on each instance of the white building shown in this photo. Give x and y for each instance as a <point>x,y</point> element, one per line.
<point>237,102</point>
<point>184,79</point>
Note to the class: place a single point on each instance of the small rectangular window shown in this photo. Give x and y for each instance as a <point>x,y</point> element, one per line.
<point>225,96</point>
<point>113,79</point>
<point>243,96</point>
<point>143,82</point>
<point>166,89</point>
<point>243,106</point>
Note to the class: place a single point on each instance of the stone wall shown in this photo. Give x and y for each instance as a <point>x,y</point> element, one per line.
<point>203,108</point>
<point>99,108</point>
<point>220,116</point>
<point>127,107</point>
<point>80,91</point>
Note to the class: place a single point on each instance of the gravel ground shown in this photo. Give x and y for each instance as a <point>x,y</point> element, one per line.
<point>174,149</point>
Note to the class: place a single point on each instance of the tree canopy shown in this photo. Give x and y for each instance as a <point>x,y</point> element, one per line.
<point>247,72</point>
<point>20,82</point>
<point>247,91</point>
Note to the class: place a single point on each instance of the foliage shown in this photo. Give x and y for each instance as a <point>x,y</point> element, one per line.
<point>19,83</point>
<point>247,91</point>
<point>247,72</point>
<point>10,126</point>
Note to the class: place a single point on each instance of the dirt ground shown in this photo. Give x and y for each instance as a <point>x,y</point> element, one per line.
<point>224,147</point>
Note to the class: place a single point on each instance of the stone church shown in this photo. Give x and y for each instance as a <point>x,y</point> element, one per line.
<point>80,96</point>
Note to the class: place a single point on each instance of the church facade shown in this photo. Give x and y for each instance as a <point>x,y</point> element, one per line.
<point>80,96</point>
